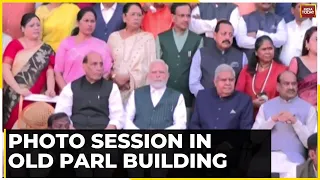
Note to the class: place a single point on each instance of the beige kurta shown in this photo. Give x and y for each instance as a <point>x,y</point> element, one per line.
<point>132,56</point>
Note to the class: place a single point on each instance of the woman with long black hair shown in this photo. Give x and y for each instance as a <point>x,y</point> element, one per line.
<point>259,78</point>
<point>73,49</point>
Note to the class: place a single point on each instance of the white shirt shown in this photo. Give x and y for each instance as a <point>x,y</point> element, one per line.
<point>6,39</point>
<point>314,21</point>
<point>107,13</point>
<point>179,114</point>
<point>116,110</point>
<point>244,41</point>
<point>200,26</point>
<point>293,46</point>
<point>279,161</point>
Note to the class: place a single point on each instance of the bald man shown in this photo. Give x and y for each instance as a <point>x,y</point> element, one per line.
<point>156,106</point>
<point>91,101</point>
<point>291,121</point>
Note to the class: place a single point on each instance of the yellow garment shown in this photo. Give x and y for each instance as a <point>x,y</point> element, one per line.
<point>58,23</point>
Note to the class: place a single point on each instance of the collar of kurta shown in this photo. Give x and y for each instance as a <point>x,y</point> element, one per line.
<point>153,90</point>
<point>85,82</point>
<point>220,51</point>
<point>306,22</point>
<point>288,101</point>
<point>113,7</point>
<point>177,34</point>
<point>216,95</point>
<point>217,5</point>
<point>265,13</point>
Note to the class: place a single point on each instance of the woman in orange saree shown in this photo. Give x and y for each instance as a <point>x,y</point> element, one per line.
<point>27,69</point>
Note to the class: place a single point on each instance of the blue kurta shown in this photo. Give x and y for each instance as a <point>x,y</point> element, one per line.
<point>213,112</point>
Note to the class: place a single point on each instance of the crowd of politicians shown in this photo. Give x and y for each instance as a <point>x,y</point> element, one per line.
<point>169,66</point>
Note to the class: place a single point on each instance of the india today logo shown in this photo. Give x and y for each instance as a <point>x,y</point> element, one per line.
<point>308,10</point>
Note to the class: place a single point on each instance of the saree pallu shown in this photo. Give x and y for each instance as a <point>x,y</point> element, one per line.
<point>132,56</point>
<point>307,89</point>
<point>29,70</point>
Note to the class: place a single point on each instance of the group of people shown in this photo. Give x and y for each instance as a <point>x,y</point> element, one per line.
<point>202,66</point>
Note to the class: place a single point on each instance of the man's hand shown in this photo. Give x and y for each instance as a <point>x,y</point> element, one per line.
<point>287,117</point>
<point>252,34</point>
<point>112,127</point>
<point>275,118</point>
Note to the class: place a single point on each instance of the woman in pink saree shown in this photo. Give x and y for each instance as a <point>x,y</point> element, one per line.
<point>72,50</point>
<point>305,67</point>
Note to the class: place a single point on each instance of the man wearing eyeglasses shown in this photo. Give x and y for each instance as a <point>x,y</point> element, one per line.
<point>291,121</point>
<point>177,47</point>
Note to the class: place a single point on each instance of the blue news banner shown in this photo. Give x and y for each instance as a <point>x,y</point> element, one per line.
<point>138,154</point>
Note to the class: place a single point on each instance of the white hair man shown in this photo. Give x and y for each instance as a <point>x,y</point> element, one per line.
<point>222,107</point>
<point>156,106</point>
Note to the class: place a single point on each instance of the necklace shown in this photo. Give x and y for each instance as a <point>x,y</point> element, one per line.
<point>265,81</point>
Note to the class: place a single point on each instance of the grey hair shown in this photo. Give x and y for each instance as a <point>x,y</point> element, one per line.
<point>159,61</point>
<point>223,68</point>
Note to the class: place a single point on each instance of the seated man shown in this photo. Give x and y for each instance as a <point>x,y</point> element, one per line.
<point>309,168</point>
<point>222,107</point>
<point>156,106</point>
<point>291,121</point>
<point>92,102</point>
<point>59,121</point>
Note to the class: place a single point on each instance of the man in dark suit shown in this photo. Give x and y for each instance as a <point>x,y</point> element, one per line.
<point>222,107</point>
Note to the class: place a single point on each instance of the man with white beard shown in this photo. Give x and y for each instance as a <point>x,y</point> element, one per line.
<point>156,106</point>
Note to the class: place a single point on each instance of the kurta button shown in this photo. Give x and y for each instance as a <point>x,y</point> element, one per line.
<point>219,109</point>
<point>178,56</point>
<point>89,101</point>
<point>217,118</point>
<point>177,64</point>
<point>215,127</point>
